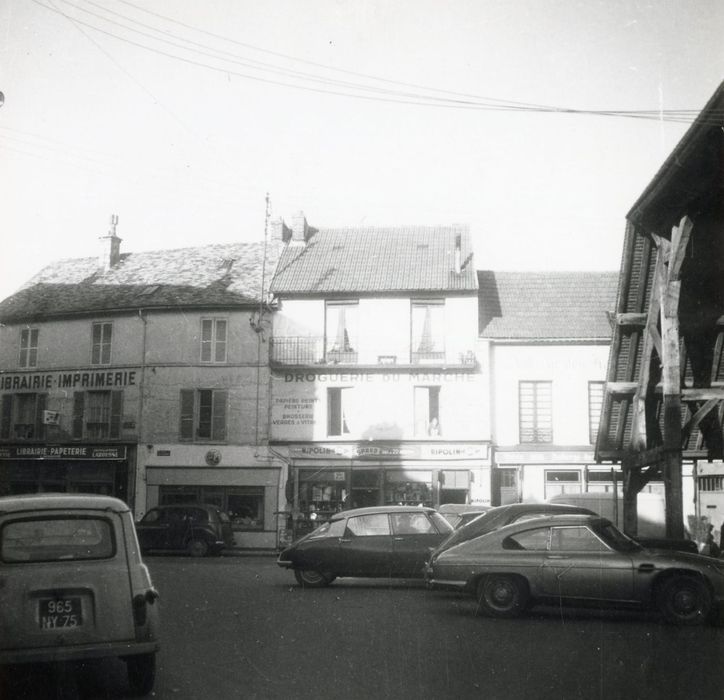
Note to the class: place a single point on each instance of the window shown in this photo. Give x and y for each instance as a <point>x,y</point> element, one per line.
<point>203,414</point>
<point>595,402</point>
<point>213,340</point>
<point>97,414</point>
<point>575,539</point>
<point>564,481</point>
<point>243,504</point>
<point>338,400</point>
<point>535,412</point>
<point>427,411</point>
<point>29,347</point>
<point>427,331</point>
<point>368,525</point>
<point>101,344</point>
<point>22,417</point>
<point>412,524</point>
<point>533,540</point>
<point>340,331</point>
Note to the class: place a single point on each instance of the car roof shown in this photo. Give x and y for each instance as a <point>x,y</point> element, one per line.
<point>550,520</point>
<point>60,501</point>
<point>457,508</point>
<point>169,506</point>
<point>540,508</point>
<point>372,510</point>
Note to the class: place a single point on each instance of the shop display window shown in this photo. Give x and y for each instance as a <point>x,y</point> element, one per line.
<point>322,493</point>
<point>408,487</point>
<point>243,504</point>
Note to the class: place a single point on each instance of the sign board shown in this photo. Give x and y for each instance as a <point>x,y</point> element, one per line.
<point>64,452</point>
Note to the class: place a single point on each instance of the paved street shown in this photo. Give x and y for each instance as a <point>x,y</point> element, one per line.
<point>239,627</point>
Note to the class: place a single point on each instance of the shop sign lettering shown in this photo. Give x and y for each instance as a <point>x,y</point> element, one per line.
<point>67,380</point>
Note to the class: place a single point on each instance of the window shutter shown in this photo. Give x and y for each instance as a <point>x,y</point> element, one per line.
<point>116,414</point>
<point>78,411</point>
<point>219,419</point>
<point>187,414</point>
<point>7,416</point>
<point>40,403</point>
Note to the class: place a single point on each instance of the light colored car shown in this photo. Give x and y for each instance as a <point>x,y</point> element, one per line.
<point>578,560</point>
<point>73,586</point>
<point>457,514</point>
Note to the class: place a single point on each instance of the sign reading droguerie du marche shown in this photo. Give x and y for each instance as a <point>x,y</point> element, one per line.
<point>63,452</point>
<point>68,380</point>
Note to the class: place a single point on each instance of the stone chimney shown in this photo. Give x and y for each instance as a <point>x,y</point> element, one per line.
<point>458,254</point>
<point>110,247</point>
<point>300,228</point>
<point>279,231</point>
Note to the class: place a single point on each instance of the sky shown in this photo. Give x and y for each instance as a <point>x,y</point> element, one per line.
<point>180,116</point>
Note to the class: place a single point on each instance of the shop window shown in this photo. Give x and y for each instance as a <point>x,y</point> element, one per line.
<point>427,331</point>
<point>338,400</point>
<point>97,414</point>
<point>535,412</point>
<point>213,340</point>
<point>243,504</point>
<point>22,417</point>
<point>711,483</point>
<point>408,487</point>
<point>427,411</point>
<point>29,347</point>
<point>595,402</point>
<point>203,414</point>
<point>601,481</point>
<point>564,481</point>
<point>323,492</point>
<point>340,331</point>
<point>101,343</point>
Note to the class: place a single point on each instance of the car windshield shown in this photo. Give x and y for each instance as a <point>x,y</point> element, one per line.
<point>56,539</point>
<point>442,525</point>
<point>617,539</point>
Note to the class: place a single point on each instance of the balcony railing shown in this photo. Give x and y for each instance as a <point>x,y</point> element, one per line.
<point>304,351</point>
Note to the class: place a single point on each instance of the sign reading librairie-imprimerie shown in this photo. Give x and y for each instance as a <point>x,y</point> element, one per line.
<point>68,380</point>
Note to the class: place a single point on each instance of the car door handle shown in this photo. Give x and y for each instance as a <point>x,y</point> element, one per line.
<point>344,539</point>
<point>399,539</point>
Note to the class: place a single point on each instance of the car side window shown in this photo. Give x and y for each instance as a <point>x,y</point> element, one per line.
<point>153,516</point>
<point>575,539</point>
<point>532,540</point>
<point>196,515</point>
<point>368,525</point>
<point>411,524</point>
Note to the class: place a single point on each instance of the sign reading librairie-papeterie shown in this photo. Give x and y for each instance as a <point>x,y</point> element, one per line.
<point>63,452</point>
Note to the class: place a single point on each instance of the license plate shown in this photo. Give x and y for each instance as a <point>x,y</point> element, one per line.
<point>60,613</point>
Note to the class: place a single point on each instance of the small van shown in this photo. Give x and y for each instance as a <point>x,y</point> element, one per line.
<point>73,585</point>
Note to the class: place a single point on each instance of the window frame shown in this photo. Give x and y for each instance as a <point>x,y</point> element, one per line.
<point>432,411</point>
<point>338,425</point>
<point>214,342</point>
<point>9,414</point>
<point>190,415</point>
<point>533,413</point>
<point>28,356</point>
<point>348,352</point>
<point>595,407</point>
<point>101,349</point>
<point>419,352</point>
<point>81,403</point>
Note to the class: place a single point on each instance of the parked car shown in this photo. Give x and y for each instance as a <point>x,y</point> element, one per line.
<point>392,541</point>
<point>457,514</point>
<point>198,529</point>
<point>578,560</point>
<point>500,516</point>
<point>73,585</point>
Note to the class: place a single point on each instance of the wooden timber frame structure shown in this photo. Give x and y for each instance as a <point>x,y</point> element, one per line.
<point>663,402</point>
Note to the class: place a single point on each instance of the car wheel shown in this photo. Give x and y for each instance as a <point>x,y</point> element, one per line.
<point>197,548</point>
<point>141,673</point>
<point>502,596</point>
<point>310,578</point>
<point>685,600</point>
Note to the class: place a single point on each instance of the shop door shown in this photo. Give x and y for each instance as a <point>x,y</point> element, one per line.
<point>365,488</point>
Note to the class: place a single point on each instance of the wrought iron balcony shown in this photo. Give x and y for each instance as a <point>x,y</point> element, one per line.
<point>305,351</point>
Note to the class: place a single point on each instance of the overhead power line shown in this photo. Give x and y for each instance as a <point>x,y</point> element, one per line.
<point>280,76</point>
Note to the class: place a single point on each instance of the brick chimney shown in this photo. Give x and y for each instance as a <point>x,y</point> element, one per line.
<point>110,247</point>
<point>279,231</point>
<point>300,228</point>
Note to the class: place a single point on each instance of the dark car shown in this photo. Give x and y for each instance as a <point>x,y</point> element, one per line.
<point>392,541</point>
<point>73,585</point>
<point>500,516</point>
<point>578,560</point>
<point>198,529</point>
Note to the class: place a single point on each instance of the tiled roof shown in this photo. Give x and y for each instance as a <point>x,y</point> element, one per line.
<point>546,305</point>
<point>206,276</point>
<point>358,260</point>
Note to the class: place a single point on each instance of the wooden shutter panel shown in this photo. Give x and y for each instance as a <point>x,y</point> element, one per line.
<point>116,414</point>
<point>186,431</point>
<point>218,430</point>
<point>40,403</point>
<point>7,416</point>
<point>78,412</point>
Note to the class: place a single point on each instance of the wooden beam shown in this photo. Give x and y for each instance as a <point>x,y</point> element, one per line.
<point>637,460</point>
<point>679,241</point>
<point>694,421</point>
<point>631,319</point>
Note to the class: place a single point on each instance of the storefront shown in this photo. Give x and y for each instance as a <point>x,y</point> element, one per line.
<point>101,469</point>
<point>327,478</point>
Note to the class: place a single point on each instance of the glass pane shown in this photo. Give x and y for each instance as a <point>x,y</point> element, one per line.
<point>369,525</point>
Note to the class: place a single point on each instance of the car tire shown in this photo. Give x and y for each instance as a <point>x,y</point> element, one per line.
<point>685,600</point>
<point>311,578</point>
<point>502,596</point>
<point>197,548</point>
<point>141,670</point>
